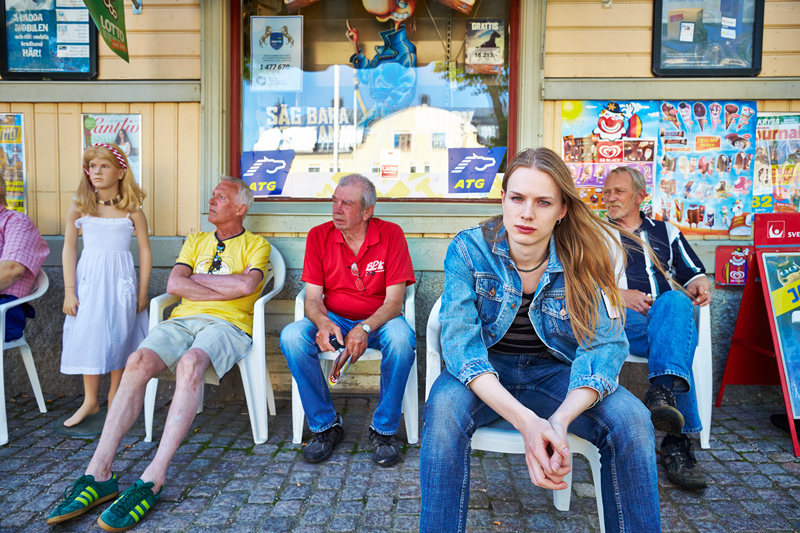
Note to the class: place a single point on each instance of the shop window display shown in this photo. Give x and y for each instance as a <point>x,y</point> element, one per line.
<point>341,82</point>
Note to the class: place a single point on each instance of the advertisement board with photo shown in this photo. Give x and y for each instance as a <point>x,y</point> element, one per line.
<point>124,130</point>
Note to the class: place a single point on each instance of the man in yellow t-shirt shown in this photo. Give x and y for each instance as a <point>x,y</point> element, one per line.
<point>219,276</point>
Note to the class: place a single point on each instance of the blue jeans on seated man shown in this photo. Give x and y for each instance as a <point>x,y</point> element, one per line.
<point>395,340</point>
<point>619,426</point>
<point>15,318</point>
<point>667,337</point>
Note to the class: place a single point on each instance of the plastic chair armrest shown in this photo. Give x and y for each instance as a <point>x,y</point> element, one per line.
<point>157,306</point>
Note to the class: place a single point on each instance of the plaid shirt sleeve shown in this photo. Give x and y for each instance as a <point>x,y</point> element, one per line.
<point>22,243</point>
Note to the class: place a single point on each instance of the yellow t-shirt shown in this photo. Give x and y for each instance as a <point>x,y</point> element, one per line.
<point>245,249</point>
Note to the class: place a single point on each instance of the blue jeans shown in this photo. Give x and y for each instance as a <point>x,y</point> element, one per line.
<point>667,337</point>
<point>395,340</point>
<point>619,426</point>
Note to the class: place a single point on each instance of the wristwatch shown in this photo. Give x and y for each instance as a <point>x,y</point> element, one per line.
<point>366,327</point>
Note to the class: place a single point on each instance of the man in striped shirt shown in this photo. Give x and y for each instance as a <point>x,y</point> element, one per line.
<point>660,323</point>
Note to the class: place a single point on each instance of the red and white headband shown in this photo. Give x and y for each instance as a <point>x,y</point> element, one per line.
<point>113,151</point>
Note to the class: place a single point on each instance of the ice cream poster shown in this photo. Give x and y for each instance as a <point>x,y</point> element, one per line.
<point>776,183</point>
<point>12,159</point>
<point>782,271</point>
<point>731,265</point>
<point>705,166</point>
<point>598,136</point>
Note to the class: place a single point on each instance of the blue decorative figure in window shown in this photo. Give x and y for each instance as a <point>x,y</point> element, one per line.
<point>391,74</point>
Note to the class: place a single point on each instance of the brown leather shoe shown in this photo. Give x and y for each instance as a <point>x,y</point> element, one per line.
<point>679,461</point>
<point>665,417</point>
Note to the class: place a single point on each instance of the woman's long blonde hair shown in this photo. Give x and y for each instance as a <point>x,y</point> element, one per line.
<point>132,194</point>
<point>583,243</point>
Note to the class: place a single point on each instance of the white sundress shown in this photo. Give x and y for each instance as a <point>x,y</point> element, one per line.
<point>107,328</point>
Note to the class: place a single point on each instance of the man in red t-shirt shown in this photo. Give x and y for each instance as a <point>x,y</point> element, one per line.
<point>361,266</point>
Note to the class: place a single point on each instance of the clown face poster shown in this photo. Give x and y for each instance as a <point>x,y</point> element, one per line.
<point>277,50</point>
<point>776,183</point>
<point>705,170</point>
<point>598,136</point>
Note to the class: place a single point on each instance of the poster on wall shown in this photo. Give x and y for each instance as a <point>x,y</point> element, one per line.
<point>705,171</point>
<point>600,135</point>
<point>776,182</point>
<point>266,172</point>
<point>277,54</point>
<point>782,271</point>
<point>52,39</point>
<point>485,45</point>
<point>12,159</point>
<point>123,130</point>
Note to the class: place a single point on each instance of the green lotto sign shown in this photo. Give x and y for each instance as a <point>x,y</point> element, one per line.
<point>109,16</point>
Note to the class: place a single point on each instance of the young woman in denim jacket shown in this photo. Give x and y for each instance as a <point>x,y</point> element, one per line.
<point>548,253</point>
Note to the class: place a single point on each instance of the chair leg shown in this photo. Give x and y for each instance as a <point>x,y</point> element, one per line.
<point>703,381</point>
<point>298,415</point>
<point>149,408</point>
<point>3,420</point>
<point>270,392</point>
<point>202,398</point>
<point>27,358</point>
<point>583,447</point>
<point>411,405</point>
<point>561,498</point>
<point>255,394</point>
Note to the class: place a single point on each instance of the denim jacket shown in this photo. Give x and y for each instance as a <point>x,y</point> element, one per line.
<point>482,290</point>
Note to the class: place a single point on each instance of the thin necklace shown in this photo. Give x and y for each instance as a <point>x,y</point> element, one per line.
<point>537,266</point>
<point>115,201</point>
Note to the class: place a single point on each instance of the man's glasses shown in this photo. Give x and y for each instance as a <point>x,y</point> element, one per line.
<point>359,283</point>
<point>216,263</point>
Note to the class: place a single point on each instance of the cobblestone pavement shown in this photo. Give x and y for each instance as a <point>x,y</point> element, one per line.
<point>220,481</point>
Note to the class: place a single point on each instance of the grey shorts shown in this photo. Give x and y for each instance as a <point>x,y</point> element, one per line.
<point>224,343</point>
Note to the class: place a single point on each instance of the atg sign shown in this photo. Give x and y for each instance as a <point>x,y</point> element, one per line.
<point>473,169</point>
<point>266,172</point>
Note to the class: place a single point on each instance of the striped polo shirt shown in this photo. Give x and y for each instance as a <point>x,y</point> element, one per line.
<point>670,247</point>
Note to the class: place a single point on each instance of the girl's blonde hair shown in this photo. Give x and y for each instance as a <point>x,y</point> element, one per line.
<point>132,194</point>
<point>583,243</point>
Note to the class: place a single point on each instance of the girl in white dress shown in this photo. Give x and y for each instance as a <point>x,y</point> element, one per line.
<point>105,306</point>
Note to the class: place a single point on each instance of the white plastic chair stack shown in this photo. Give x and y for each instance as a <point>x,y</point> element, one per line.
<point>252,367</point>
<point>410,400</point>
<point>42,283</point>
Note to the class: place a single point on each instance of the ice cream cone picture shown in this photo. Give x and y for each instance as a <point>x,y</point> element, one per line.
<point>700,115</point>
<point>744,120</point>
<point>686,113</point>
<point>714,110</point>
<point>731,114</point>
<point>670,114</point>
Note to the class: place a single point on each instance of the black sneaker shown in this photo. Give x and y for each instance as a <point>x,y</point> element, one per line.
<point>679,461</point>
<point>387,449</point>
<point>661,403</point>
<point>321,445</point>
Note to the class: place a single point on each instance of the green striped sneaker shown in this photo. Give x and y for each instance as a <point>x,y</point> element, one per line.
<point>129,508</point>
<point>84,494</point>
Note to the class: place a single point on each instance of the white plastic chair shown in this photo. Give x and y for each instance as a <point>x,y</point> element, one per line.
<point>410,404</point>
<point>42,283</point>
<point>252,367</point>
<point>703,373</point>
<point>500,436</point>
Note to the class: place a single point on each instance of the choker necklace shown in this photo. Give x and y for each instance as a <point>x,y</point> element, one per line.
<point>117,200</point>
<point>537,266</point>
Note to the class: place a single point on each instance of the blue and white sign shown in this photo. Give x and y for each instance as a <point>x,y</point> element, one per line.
<point>473,169</point>
<point>277,54</point>
<point>266,172</point>
<point>46,36</point>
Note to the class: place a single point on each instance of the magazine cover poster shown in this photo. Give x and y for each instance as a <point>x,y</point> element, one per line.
<point>123,130</point>
<point>277,48</point>
<point>12,160</point>
<point>705,167</point>
<point>600,135</point>
<point>783,279</point>
<point>776,182</point>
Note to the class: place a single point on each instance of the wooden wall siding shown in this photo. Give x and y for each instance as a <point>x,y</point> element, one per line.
<point>170,155</point>
<point>584,40</point>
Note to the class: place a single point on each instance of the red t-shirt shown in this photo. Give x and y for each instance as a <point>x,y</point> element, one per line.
<point>382,261</point>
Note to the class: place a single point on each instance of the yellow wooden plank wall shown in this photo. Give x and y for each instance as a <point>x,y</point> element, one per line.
<point>584,40</point>
<point>170,155</point>
<point>163,43</point>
